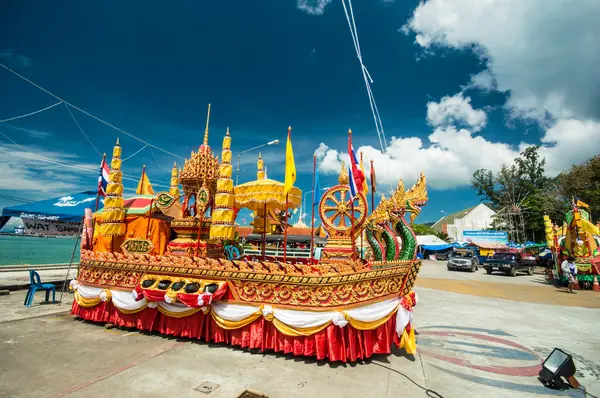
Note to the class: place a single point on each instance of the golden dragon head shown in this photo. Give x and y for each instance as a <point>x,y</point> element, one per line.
<point>380,215</point>
<point>410,201</point>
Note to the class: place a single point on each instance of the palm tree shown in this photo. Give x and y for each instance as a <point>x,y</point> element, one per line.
<point>443,236</point>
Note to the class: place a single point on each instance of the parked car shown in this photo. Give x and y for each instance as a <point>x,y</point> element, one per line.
<point>509,263</point>
<point>462,259</point>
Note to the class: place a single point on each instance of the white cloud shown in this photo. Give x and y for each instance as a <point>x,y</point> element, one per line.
<point>33,169</point>
<point>543,52</point>
<point>451,155</point>
<point>313,7</point>
<point>483,80</point>
<point>448,159</point>
<point>455,109</point>
<point>570,142</point>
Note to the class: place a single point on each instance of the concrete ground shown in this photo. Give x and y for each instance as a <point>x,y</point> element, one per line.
<point>468,346</point>
<point>13,280</point>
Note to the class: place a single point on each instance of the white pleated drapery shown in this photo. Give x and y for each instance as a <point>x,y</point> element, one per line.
<point>297,319</point>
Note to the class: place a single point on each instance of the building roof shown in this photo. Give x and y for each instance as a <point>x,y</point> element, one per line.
<point>449,219</point>
<point>429,240</point>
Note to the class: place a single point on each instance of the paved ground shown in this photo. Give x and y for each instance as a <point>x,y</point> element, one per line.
<point>524,288</point>
<point>19,279</point>
<point>467,346</point>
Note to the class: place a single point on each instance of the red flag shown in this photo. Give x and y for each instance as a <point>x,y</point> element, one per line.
<point>357,177</point>
<point>373,181</point>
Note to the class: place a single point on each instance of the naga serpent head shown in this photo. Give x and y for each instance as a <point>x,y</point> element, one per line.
<point>410,201</point>
<point>380,216</point>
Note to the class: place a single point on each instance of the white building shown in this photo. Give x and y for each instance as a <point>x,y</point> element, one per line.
<point>476,218</point>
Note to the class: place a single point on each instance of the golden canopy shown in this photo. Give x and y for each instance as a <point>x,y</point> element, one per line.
<point>255,195</point>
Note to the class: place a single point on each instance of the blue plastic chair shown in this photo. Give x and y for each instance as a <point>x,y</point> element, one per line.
<point>35,283</point>
<point>232,252</point>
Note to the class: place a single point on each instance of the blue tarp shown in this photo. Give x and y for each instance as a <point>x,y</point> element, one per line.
<point>436,248</point>
<point>63,208</point>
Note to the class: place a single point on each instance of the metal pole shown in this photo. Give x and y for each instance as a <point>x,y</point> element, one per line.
<point>237,174</point>
<point>285,226</point>
<point>71,262</point>
<point>352,228</point>
<point>312,213</point>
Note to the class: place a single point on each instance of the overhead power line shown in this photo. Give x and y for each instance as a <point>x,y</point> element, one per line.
<point>31,113</point>
<point>89,114</point>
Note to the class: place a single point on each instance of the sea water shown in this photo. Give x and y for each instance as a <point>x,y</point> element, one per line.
<point>16,250</point>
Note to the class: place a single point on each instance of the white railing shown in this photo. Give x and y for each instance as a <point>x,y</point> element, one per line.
<point>278,253</point>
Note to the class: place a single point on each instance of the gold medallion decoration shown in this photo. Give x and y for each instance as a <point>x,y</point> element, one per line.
<point>202,200</point>
<point>336,209</point>
<point>137,246</point>
<point>164,200</point>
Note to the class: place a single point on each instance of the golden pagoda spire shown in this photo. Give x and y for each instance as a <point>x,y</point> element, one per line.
<point>343,179</point>
<point>174,190</point>
<point>260,174</point>
<point>222,217</point>
<point>205,142</point>
<point>113,214</point>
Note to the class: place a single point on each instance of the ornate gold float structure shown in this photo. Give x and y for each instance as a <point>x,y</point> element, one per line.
<point>173,275</point>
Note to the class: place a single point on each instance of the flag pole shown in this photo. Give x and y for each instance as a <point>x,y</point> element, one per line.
<point>100,182</point>
<point>149,217</point>
<point>312,213</point>
<point>142,180</point>
<point>372,188</point>
<point>367,204</point>
<point>285,229</point>
<point>352,226</point>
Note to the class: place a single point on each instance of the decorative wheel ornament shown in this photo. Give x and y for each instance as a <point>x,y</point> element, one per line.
<point>335,210</point>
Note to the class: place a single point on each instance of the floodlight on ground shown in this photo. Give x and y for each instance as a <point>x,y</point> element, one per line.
<point>558,364</point>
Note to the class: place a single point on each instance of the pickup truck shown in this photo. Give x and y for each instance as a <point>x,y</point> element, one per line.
<point>509,263</point>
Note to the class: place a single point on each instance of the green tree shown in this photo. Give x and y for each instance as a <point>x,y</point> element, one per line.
<point>583,182</point>
<point>443,236</point>
<point>422,229</point>
<point>522,184</point>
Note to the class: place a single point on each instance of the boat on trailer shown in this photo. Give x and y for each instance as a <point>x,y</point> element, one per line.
<point>158,263</point>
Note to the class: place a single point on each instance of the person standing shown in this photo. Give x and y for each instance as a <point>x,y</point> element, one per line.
<point>569,269</point>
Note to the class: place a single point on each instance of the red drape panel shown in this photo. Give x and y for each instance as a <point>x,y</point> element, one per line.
<point>345,344</point>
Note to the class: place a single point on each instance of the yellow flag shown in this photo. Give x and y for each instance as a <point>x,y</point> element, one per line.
<point>365,187</point>
<point>290,165</point>
<point>582,204</point>
<point>144,187</point>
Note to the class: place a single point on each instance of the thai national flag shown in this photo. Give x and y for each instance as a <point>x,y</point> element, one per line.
<point>357,178</point>
<point>103,178</point>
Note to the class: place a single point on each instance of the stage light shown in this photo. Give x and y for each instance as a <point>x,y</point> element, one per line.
<point>558,364</point>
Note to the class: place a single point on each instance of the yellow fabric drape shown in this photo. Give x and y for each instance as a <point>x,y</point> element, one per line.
<point>295,332</point>
<point>229,325</point>
<point>86,302</point>
<point>408,341</point>
<point>128,312</point>
<point>183,314</point>
<point>370,325</point>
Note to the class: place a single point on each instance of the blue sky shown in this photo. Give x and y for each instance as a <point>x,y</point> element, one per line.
<point>456,93</point>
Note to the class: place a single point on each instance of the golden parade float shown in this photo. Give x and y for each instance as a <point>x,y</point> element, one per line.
<point>579,238</point>
<point>157,263</point>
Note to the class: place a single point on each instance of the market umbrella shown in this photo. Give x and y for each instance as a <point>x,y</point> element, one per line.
<point>265,194</point>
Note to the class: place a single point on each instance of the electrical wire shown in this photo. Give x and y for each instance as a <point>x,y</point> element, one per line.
<point>429,392</point>
<point>585,392</point>
<point>159,166</point>
<point>136,152</point>
<point>82,132</point>
<point>368,80</point>
<point>69,165</point>
<point>31,113</point>
<point>89,114</point>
